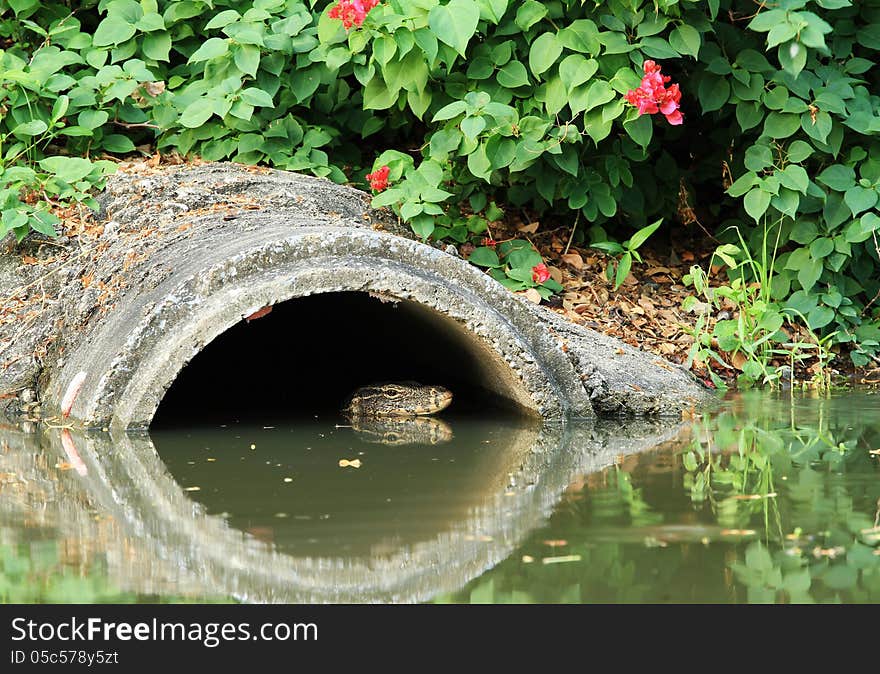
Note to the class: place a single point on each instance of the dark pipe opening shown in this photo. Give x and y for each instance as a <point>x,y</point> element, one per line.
<point>308,354</point>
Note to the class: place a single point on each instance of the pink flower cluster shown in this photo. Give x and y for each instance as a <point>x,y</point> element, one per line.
<point>379,179</point>
<point>352,12</point>
<point>540,273</point>
<point>652,96</point>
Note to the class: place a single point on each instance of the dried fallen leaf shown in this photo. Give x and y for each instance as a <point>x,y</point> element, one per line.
<point>529,228</point>
<point>259,313</point>
<point>532,296</point>
<point>739,360</point>
<point>573,259</point>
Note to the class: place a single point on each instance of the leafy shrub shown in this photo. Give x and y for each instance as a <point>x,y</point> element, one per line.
<point>485,102</point>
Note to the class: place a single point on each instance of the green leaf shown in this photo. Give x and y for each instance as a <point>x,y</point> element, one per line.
<point>257,97</point>
<point>758,157</point>
<point>150,22</point>
<point>455,24</point>
<point>793,57</point>
<point>471,127</point>
<point>642,235</point>
<point>713,93</point>
<point>685,40</point>
<point>492,10</point>
<point>640,129</point>
<point>820,317</point>
<point>449,111</point>
<point>743,184</point>
<point>821,247</point>
<point>68,169</point>
<point>43,223</point>
<point>818,129</point>
<point>623,267</point>
<point>581,35</point>
<point>59,108</point>
<point>781,124</point>
<point>529,13</point>
<point>756,203</point>
<point>117,143</point>
<point>196,114</point>
<point>157,46</point>
<point>93,119</point>
<point>513,75</point>
<point>247,59</point>
<point>794,177</point>
<point>112,30</point>
<point>860,198</point>
<point>798,151</point>
<point>576,69</point>
<point>223,19</point>
<point>838,177</point>
<point>479,164</point>
<point>544,52</point>
<point>767,19</point>
<point>804,231</point>
<point>863,228</point>
<point>423,226</point>
<point>32,128</point>
<point>748,114</point>
<point>211,48</point>
<point>484,257</point>
<point>809,273</point>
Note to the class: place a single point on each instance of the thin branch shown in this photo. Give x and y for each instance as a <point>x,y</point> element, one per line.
<point>138,125</point>
<point>574,227</point>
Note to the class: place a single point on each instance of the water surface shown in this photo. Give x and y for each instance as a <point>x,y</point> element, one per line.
<point>771,498</point>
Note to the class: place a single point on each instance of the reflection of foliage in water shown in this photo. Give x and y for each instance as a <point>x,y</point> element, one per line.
<point>36,572</point>
<point>811,482</point>
<point>769,501</point>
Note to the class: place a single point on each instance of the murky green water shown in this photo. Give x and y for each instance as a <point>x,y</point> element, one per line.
<point>769,499</point>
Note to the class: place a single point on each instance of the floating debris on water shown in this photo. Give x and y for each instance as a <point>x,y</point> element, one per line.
<point>345,463</point>
<point>754,497</point>
<point>562,559</point>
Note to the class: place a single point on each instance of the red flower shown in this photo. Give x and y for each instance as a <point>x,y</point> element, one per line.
<point>540,273</point>
<point>652,96</point>
<point>379,179</point>
<point>489,242</point>
<point>352,12</point>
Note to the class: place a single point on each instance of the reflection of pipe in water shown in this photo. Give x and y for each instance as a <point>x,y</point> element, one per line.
<point>165,542</point>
